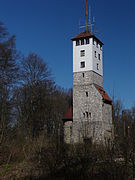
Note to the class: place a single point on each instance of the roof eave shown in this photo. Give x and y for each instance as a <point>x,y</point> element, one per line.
<point>67,119</point>
<point>108,101</point>
<point>92,36</point>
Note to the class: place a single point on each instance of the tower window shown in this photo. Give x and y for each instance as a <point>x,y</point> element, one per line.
<point>83,75</point>
<point>93,42</point>
<point>77,43</point>
<point>97,44</point>
<point>82,53</point>
<point>95,54</point>
<point>100,47</point>
<point>82,42</point>
<point>99,56</point>
<point>87,41</point>
<point>97,66</point>
<point>83,64</point>
<point>87,114</point>
<point>87,94</point>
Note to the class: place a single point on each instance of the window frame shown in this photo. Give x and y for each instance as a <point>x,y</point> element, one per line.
<point>82,53</point>
<point>82,64</point>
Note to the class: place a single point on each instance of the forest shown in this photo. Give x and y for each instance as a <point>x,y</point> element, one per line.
<point>31,129</point>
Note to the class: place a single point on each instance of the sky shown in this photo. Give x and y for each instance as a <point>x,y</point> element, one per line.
<point>46,28</point>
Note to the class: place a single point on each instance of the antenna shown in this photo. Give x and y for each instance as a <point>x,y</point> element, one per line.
<point>90,23</point>
<point>86,15</point>
<point>93,24</point>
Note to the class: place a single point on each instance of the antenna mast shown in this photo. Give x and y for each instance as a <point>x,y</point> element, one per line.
<point>86,15</point>
<point>90,23</point>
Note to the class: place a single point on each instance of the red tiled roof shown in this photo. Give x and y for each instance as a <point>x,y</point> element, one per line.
<point>83,35</point>
<point>86,34</point>
<point>69,114</point>
<point>104,94</point>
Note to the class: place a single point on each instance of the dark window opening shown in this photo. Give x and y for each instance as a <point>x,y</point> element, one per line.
<point>97,66</point>
<point>82,53</point>
<point>87,94</point>
<point>87,41</point>
<point>83,64</point>
<point>99,56</point>
<point>87,114</point>
<point>97,44</point>
<point>100,47</point>
<point>77,43</point>
<point>93,42</point>
<point>95,54</point>
<point>83,75</point>
<point>82,42</point>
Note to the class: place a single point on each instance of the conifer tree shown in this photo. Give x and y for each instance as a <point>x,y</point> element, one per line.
<point>8,79</point>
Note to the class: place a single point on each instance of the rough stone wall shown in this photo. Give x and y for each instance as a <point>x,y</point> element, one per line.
<point>91,125</point>
<point>92,118</point>
<point>87,77</point>
<point>68,132</point>
<point>107,119</point>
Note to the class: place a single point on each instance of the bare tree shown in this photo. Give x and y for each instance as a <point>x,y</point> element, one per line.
<point>34,70</point>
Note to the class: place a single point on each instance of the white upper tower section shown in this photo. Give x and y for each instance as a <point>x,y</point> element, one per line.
<point>87,53</point>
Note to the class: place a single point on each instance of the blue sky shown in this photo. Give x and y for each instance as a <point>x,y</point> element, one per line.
<point>46,28</point>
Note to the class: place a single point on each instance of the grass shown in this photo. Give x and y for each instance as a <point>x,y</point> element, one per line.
<point>4,170</point>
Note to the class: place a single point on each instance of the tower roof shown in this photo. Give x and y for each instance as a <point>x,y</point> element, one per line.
<point>69,115</point>
<point>86,34</point>
<point>105,96</point>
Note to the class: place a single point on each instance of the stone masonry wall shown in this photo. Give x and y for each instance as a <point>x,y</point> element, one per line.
<point>107,119</point>
<point>87,77</point>
<point>91,125</point>
<point>92,118</point>
<point>68,132</point>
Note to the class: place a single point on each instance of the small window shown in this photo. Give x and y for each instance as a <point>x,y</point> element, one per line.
<point>87,41</point>
<point>93,42</point>
<point>97,66</point>
<point>95,54</point>
<point>99,56</point>
<point>87,114</point>
<point>83,64</point>
<point>82,42</point>
<point>82,53</point>
<point>87,94</point>
<point>83,75</point>
<point>77,43</point>
<point>97,44</point>
<point>100,47</point>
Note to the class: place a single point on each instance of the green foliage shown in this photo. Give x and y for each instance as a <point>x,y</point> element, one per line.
<point>4,170</point>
